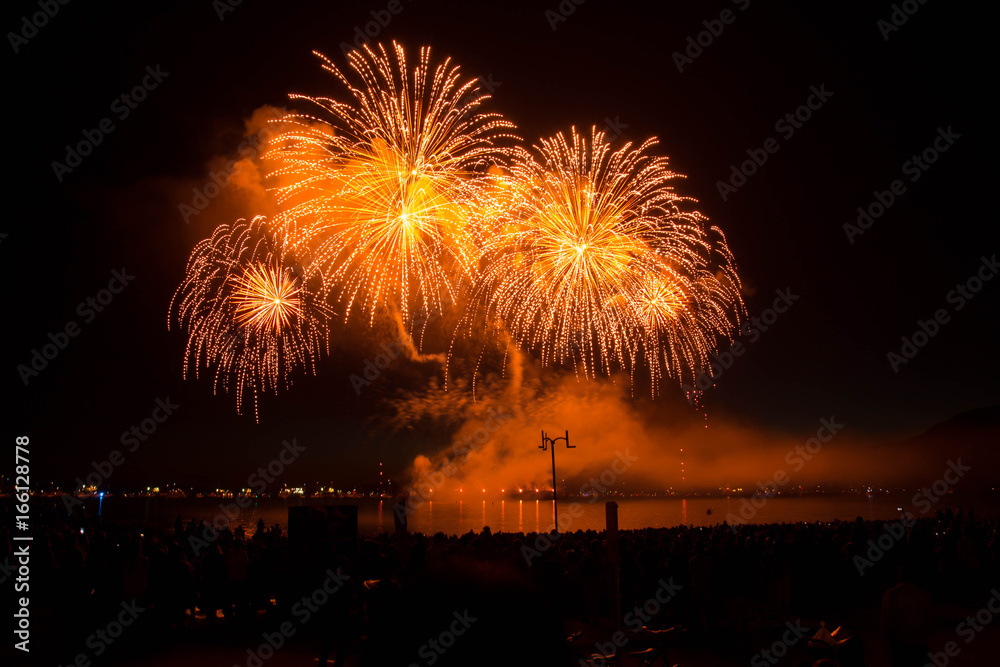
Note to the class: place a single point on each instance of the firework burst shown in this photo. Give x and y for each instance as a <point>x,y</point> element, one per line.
<point>405,191</point>
<point>266,297</point>
<point>248,313</point>
<point>599,267</point>
<point>387,192</point>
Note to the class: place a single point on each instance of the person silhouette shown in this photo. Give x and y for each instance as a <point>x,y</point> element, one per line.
<point>907,619</point>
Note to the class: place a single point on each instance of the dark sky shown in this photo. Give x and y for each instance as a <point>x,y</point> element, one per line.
<point>606,60</point>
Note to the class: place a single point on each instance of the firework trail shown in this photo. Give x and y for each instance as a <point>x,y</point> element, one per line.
<point>388,192</point>
<point>248,312</point>
<point>597,266</point>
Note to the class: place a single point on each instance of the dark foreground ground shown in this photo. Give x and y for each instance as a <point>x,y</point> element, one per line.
<point>924,593</point>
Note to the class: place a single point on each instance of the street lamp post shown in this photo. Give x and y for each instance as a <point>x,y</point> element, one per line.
<point>551,442</point>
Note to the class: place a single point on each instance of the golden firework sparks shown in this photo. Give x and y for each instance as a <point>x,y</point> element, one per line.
<point>392,198</point>
<point>598,265</point>
<point>266,297</point>
<point>247,314</point>
<point>386,192</point>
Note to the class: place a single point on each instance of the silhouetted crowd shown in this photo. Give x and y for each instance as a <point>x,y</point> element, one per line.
<point>504,598</point>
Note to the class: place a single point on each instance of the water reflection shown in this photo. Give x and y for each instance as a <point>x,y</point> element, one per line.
<point>449,517</point>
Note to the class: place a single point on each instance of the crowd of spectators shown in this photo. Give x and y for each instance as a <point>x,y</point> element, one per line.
<point>392,599</point>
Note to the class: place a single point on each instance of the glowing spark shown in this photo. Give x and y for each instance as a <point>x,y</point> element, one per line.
<point>397,195</point>
<point>247,314</point>
<point>266,297</point>
<point>599,267</point>
<point>387,189</point>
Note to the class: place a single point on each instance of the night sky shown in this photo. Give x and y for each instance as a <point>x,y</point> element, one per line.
<point>889,94</point>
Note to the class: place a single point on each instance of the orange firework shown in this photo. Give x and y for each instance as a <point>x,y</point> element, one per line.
<point>385,192</point>
<point>404,190</point>
<point>248,312</point>
<point>599,266</point>
<point>266,297</point>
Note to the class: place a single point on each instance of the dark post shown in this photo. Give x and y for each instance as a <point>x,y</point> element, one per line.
<point>611,516</point>
<point>547,441</point>
<point>399,514</point>
<point>399,518</point>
